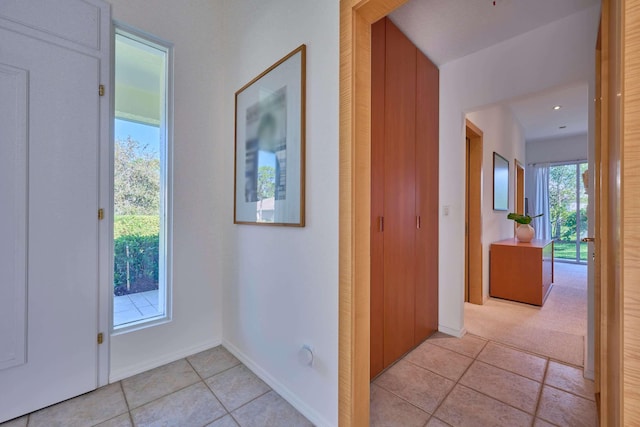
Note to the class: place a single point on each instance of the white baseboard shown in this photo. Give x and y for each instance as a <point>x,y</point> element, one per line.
<point>144,366</point>
<point>310,413</point>
<point>590,374</point>
<point>459,333</point>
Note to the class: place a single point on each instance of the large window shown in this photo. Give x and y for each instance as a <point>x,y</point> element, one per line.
<point>568,209</point>
<point>142,171</point>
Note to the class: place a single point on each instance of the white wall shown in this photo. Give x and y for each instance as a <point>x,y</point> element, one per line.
<point>553,150</point>
<point>280,283</point>
<point>551,56</point>
<point>570,148</point>
<point>504,135</point>
<point>198,203</point>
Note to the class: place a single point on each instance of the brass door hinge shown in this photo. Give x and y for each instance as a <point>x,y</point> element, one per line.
<point>100,214</point>
<point>101,90</point>
<point>100,338</point>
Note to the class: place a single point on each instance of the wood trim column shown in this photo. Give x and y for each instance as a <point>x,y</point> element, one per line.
<point>473,238</point>
<point>356,17</point>
<point>630,17</point>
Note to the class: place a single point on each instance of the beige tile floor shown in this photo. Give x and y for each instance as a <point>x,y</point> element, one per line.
<point>211,388</point>
<point>448,381</point>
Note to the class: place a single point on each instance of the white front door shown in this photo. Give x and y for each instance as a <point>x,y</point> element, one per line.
<point>50,140</point>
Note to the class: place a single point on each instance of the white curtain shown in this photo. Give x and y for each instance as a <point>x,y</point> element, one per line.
<point>541,202</point>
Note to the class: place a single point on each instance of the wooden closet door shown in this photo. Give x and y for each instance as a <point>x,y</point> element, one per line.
<point>399,194</point>
<point>377,196</point>
<point>427,142</point>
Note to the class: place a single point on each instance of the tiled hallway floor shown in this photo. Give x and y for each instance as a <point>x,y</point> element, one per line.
<point>211,388</point>
<point>448,381</point>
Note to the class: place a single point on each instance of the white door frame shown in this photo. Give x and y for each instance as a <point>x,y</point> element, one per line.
<point>105,297</point>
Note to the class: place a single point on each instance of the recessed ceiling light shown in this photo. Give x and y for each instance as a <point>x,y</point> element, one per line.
<point>562,127</point>
<point>557,107</point>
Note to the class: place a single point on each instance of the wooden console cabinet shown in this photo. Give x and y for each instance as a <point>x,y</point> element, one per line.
<point>521,272</point>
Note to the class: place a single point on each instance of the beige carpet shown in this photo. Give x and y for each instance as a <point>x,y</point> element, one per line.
<point>556,330</point>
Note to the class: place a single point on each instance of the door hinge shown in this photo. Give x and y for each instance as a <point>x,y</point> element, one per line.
<point>100,338</point>
<point>100,214</point>
<point>381,224</point>
<point>101,90</point>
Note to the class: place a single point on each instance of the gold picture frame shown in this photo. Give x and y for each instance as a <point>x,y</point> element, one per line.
<point>269,153</point>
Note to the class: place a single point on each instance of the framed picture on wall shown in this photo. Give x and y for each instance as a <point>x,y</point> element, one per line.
<point>270,145</point>
<point>500,183</point>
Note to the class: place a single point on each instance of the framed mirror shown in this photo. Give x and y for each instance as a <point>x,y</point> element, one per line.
<point>500,183</point>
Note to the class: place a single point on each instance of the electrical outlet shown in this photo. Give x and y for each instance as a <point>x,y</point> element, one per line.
<point>445,210</point>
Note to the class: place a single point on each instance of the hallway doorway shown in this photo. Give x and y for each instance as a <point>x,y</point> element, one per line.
<point>356,18</point>
<point>473,215</point>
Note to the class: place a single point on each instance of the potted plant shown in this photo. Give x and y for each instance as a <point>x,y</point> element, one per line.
<point>524,232</point>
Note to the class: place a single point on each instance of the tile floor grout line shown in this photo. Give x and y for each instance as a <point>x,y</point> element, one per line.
<point>495,398</point>
<point>455,382</point>
<point>473,359</point>
<point>216,419</point>
<point>561,362</point>
<point>532,353</point>
<point>126,401</point>
<point>548,361</point>
<point>434,372</point>
<point>544,379</point>
<point>129,410</point>
<point>223,371</point>
<point>235,420</point>
<point>498,400</point>
<point>254,399</point>
<point>180,389</point>
<point>165,395</point>
<point>217,373</point>
<point>487,395</point>
<point>458,352</point>
<point>405,400</point>
<point>542,383</point>
<point>216,396</point>
<point>507,371</point>
<point>569,392</point>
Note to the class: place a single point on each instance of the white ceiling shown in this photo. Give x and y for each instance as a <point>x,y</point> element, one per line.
<point>446,30</point>
<point>539,119</point>
<point>450,29</point>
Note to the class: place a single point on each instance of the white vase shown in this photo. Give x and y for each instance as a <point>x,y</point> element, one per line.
<point>525,233</point>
